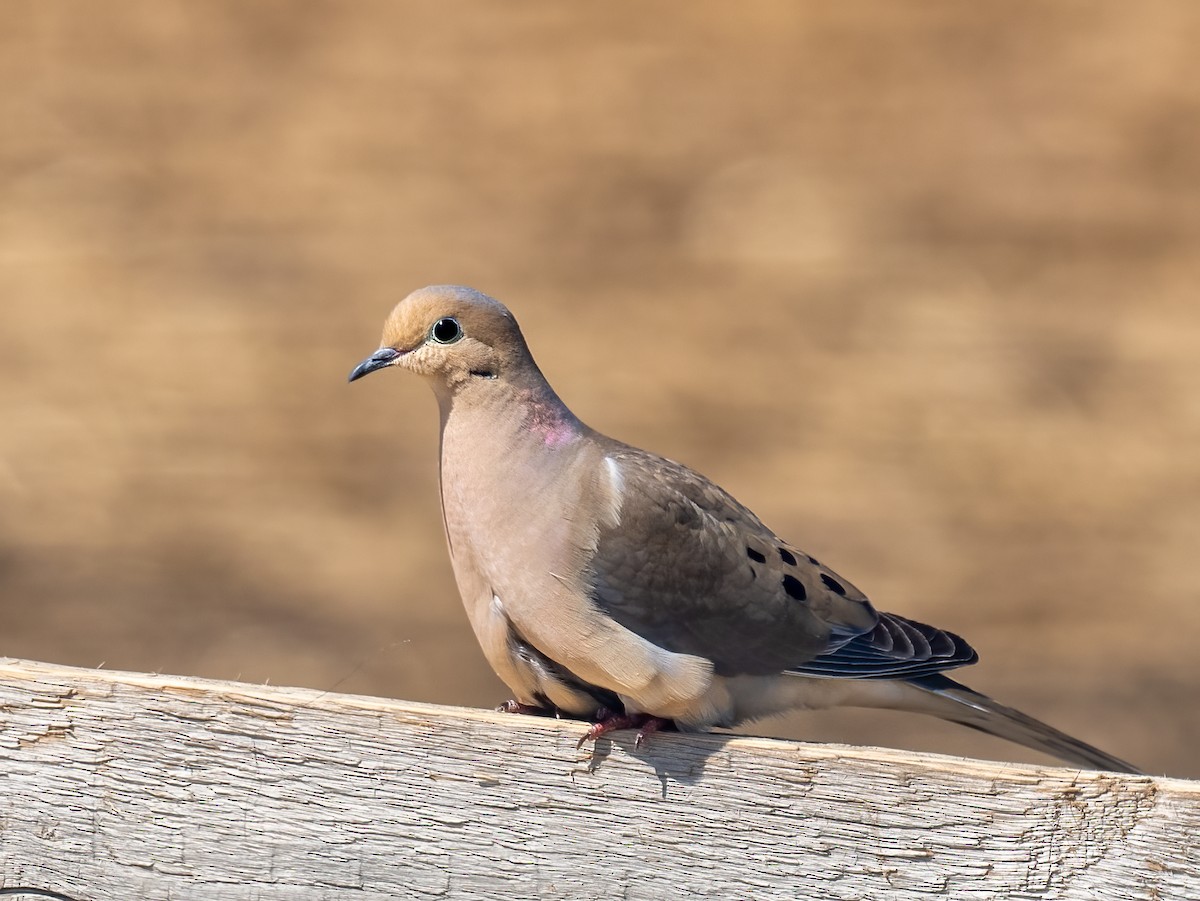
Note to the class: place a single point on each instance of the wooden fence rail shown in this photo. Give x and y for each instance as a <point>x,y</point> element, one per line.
<point>127,786</point>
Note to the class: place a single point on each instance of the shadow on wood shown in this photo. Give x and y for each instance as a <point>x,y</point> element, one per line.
<point>123,786</point>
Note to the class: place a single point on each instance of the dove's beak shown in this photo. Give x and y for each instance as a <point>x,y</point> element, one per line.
<point>385,356</point>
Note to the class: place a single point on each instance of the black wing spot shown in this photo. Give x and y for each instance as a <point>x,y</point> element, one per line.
<point>833,584</point>
<point>755,555</point>
<point>794,587</point>
<point>813,560</point>
<point>753,573</point>
<point>787,556</point>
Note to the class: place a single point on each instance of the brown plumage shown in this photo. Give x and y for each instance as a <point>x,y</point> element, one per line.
<point>602,580</point>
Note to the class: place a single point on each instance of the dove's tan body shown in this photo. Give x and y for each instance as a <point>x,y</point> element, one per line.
<point>509,531</point>
<point>597,575</point>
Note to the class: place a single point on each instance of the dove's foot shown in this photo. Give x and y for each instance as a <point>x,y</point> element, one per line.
<point>528,709</point>
<point>646,725</point>
<point>653,724</point>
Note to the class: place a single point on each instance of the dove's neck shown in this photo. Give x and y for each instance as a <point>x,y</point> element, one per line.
<point>506,439</point>
<point>514,411</point>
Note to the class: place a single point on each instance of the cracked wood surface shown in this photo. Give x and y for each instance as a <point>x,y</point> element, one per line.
<point>130,786</point>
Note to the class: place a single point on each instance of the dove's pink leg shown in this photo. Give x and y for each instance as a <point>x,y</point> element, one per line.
<point>646,725</point>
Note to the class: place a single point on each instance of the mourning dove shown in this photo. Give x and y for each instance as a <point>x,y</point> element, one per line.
<point>607,583</point>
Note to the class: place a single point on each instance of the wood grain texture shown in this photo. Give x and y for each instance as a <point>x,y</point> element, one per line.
<point>129,786</point>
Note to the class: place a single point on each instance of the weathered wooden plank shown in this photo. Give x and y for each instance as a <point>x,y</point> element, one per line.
<point>124,786</point>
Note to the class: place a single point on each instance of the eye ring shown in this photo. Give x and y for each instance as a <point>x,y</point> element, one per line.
<point>445,331</point>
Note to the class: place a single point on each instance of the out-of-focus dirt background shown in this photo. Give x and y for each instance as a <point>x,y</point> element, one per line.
<point>917,282</point>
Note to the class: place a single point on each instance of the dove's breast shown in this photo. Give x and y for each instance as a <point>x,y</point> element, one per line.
<point>513,509</point>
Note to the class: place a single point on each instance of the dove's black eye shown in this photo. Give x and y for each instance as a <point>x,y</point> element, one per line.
<point>446,331</point>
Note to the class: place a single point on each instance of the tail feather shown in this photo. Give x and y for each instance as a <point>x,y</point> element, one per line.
<point>949,700</point>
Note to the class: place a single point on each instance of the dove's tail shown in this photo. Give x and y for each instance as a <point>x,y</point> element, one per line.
<point>949,700</point>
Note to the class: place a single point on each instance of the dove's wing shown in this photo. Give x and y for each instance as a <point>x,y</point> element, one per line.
<point>695,572</point>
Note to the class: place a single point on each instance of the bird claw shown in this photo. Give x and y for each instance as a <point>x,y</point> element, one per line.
<point>646,725</point>
<point>653,724</point>
<point>513,706</point>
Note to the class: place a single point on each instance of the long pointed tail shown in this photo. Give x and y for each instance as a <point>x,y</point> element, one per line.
<point>950,700</point>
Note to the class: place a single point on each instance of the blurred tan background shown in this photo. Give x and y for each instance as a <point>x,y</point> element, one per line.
<point>917,282</point>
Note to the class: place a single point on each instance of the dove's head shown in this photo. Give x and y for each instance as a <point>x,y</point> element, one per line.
<point>452,335</point>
